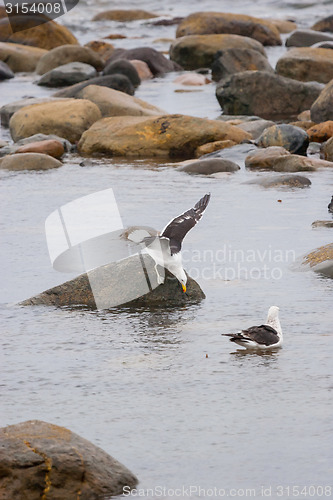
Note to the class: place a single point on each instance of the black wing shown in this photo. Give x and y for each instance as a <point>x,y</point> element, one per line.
<point>262,335</point>
<point>177,229</point>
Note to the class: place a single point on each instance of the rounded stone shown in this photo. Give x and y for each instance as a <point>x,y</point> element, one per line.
<point>294,139</point>
<point>29,161</point>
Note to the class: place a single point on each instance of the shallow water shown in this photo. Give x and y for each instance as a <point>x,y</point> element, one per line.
<point>139,383</point>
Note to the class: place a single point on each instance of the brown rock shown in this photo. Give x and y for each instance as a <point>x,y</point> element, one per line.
<point>321,132</point>
<point>163,136</point>
<point>325,24</point>
<point>50,147</point>
<point>102,48</point>
<point>39,460</point>
<point>20,57</point>
<point>282,25</point>
<point>305,125</point>
<point>328,150</point>
<point>322,108</point>
<point>142,69</point>
<point>237,60</point>
<point>285,181</point>
<point>66,54</point>
<point>322,223</point>
<point>207,23</point>
<point>192,79</point>
<point>280,162</point>
<point>304,116</point>
<point>45,36</point>
<point>7,111</point>
<point>124,15</point>
<point>199,51</point>
<point>320,260</point>
<point>264,158</point>
<point>307,64</point>
<point>69,119</point>
<point>210,147</point>
<point>29,161</point>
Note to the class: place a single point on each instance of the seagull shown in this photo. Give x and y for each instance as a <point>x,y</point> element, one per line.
<point>330,206</point>
<point>265,336</point>
<point>165,248</point>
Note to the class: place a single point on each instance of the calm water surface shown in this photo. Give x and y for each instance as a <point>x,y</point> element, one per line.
<point>139,383</point>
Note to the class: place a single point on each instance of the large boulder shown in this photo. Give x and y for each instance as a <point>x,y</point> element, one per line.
<point>207,23</point>
<point>306,38</point>
<point>157,62</point>
<point>29,161</point>
<point>69,119</point>
<point>20,58</point>
<point>67,54</point>
<point>122,283</point>
<point>5,71</point>
<point>198,51</point>
<point>7,111</point>
<point>164,136</point>
<point>114,103</point>
<point>67,74</point>
<point>116,82</point>
<point>265,94</point>
<point>319,260</point>
<point>45,36</point>
<point>232,61</point>
<point>325,24</point>
<point>294,139</point>
<point>123,15</point>
<point>322,108</point>
<point>39,460</point>
<point>307,64</point>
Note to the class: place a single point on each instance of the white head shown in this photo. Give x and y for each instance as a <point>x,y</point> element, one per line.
<point>273,320</point>
<point>182,278</point>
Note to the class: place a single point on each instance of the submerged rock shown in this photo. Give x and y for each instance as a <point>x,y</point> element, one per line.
<point>205,23</point>
<point>306,64</point>
<point>265,94</point>
<point>121,283</point>
<point>66,54</point>
<point>209,166</point>
<point>294,139</point>
<point>199,51</point>
<point>163,136</point>
<point>284,181</point>
<point>42,460</point>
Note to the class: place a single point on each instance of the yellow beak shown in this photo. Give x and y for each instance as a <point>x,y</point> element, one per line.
<point>184,288</point>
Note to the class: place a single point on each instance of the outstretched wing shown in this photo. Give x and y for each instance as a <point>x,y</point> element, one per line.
<point>262,335</point>
<point>177,229</point>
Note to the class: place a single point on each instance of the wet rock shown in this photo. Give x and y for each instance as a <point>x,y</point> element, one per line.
<point>45,36</point>
<point>67,74</point>
<point>66,54</point>
<point>265,94</point>
<point>322,108</point>
<point>197,51</point>
<point>256,127</point>
<point>49,147</point>
<point>328,149</point>
<point>167,22</point>
<point>7,111</point>
<point>294,139</point>
<point>325,24</point>
<point>284,181</point>
<point>284,26</point>
<point>306,38</point>
<point>29,161</point>
<point>20,58</point>
<point>321,132</point>
<point>306,64</point>
<point>209,166</point>
<point>211,147</point>
<point>102,48</point>
<point>279,162</point>
<point>116,82</point>
<point>192,79</point>
<point>304,125</point>
<point>206,23</point>
<point>118,283</point>
<point>237,60</point>
<point>124,15</point>
<point>12,148</point>
<point>319,260</point>
<point>142,69</point>
<point>164,136</point>
<point>322,223</point>
<point>114,103</point>
<point>123,67</point>
<point>42,460</point>
<point>5,71</point>
<point>157,62</point>
<point>68,120</point>
<point>264,158</point>
<point>323,45</point>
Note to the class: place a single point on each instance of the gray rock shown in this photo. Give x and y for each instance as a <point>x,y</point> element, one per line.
<point>209,166</point>
<point>322,108</point>
<point>67,74</point>
<point>29,161</point>
<point>42,460</point>
<point>7,111</point>
<point>123,67</point>
<point>306,38</point>
<point>256,127</point>
<point>323,45</point>
<point>292,138</point>
<point>266,95</point>
<point>236,154</point>
<point>284,181</point>
<point>232,61</point>
<point>325,24</point>
<point>118,283</point>
<point>5,71</point>
<point>68,53</point>
<point>157,62</point>
<point>322,223</point>
<point>116,82</point>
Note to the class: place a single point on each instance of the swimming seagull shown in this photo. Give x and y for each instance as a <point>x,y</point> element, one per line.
<point>265,336</point>
<point>165,248</point>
